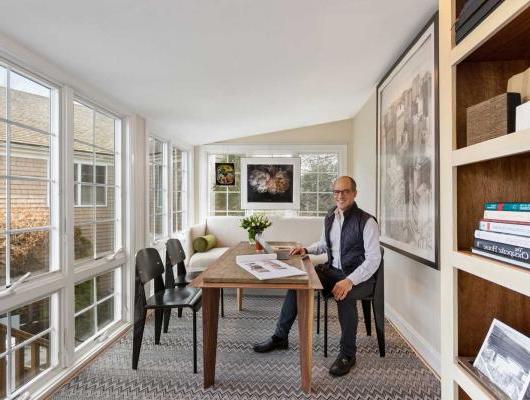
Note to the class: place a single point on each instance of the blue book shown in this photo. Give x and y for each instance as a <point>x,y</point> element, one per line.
<point>507,207</point>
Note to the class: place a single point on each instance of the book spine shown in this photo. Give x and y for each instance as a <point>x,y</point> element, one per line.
<point>510,229</point>
<point>507,206</point>
<point>521,254</point>
<point>494,256</point>
<point>507,215</point>
<point>502,238</point>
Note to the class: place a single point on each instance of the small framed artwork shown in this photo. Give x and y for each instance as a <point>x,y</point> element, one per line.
<point>407,151</point>
<point>225,174</point>
<point>270,183</point>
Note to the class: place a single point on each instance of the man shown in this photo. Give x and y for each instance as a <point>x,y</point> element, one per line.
<point>351,240</point>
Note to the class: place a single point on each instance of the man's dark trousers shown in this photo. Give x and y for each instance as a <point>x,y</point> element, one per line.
<point>347,308</point>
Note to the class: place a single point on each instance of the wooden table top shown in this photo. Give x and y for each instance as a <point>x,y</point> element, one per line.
<point>225,273</point>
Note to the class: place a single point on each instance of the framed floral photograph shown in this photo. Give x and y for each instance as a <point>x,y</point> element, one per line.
<point>407,151</point>
<point>270,183</point>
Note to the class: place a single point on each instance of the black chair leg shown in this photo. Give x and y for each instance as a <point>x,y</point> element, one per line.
<point>194,341</point>
<point>167,315</point>
<point>325,327</point>
<point>318,312</point>
<point>138,334</point>
<point>159,315</point>
<point>379,316</point>
<point>179,312</point>
<point>367,316</point>
<point>222,303</point>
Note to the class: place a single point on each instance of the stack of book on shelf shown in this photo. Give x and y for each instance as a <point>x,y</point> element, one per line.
<point>504,233</point>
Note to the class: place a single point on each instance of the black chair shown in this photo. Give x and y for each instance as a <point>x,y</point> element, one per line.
<point>375,301</point>
<point>149,267</point>
<point>175,255</point>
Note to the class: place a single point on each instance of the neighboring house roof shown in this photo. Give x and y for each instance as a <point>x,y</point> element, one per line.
<point>34,110</point>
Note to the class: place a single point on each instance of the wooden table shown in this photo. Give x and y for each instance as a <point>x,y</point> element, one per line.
<point>225,273</point>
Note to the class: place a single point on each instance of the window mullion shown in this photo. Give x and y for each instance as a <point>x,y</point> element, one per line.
<point>95,304</point>
<point>9,368</point>
<point>93,188</point>
<point>8,181</point>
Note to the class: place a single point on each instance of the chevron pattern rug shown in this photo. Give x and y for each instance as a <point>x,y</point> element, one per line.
<point>165,371</point>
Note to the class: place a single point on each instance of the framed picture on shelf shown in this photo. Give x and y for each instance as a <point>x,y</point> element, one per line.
<point>270,183</point>
<point>225,174</point>
<point>407,151</point>
<point>504,359</point>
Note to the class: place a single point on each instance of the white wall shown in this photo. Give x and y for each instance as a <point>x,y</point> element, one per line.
<point>412,290</point>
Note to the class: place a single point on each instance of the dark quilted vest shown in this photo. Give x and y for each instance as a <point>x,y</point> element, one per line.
<point>351,237</point>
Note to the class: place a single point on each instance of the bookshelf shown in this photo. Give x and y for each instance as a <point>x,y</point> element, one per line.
<point>476,289</point>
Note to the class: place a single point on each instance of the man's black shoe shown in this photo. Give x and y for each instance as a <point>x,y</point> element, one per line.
<point>270,344</point>
<point>342,365</point>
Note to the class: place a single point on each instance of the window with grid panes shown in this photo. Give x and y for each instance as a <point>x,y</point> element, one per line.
<point>28,214</point>
<point>96,305</point>
<point>94,182</point>
<point>25,345</point>
<point>25,141</point>
<point>180,189</point>
<point>158,207</point>
<point>318,170</point>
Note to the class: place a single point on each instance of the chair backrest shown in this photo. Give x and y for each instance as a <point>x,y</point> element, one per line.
<point>379,289</point>
<point>149,266</point>
<point>175,255</point>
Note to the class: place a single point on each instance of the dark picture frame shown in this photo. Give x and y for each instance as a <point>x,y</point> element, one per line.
<point>407,143</point>
<point>225,174</point>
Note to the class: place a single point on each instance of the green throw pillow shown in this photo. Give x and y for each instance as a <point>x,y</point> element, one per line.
<point>204,243</point>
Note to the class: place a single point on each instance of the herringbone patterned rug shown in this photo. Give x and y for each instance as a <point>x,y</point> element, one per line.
<point>165,371</point>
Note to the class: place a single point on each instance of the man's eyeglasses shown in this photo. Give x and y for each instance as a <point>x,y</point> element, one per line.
<point>345,192</point>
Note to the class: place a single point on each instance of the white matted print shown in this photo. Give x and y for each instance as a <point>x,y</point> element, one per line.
<point>504,359</point>
<point>407,151</point>
<point>270,183</point>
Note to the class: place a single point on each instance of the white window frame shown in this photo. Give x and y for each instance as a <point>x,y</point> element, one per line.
<point>46,284</point>
<point>153,238</point>
<point>59,282</point>
<point>117,186</point>
<point>184,189</point>
<point>78,166</point>
<point>258,150</point>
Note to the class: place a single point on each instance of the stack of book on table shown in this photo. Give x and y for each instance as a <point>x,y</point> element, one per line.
<point>504,233</point>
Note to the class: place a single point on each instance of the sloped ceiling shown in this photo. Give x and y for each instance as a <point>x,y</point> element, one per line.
<point>210,70</point>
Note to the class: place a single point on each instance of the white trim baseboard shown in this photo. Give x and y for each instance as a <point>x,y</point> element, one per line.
<point>418,342</point>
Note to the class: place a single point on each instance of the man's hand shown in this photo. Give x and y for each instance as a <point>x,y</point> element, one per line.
<point>297,250</point>
<point>341,289</point>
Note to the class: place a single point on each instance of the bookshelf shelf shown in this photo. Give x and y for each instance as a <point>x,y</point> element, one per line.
<point>509,276</point>
<point>507,145</point>
<point>499,18</point>
<point>468,379</point>
<point>477,289</point>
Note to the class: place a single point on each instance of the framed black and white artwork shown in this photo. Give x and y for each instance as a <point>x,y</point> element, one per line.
<point>407,151</point>
<point>270,183</point>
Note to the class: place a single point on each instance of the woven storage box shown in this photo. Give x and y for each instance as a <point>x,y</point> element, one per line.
<point>492,118</point>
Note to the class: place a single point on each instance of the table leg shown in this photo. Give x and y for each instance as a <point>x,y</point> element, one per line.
<point>210,319</point>
<point>239,295</point>
<point>305,328</point>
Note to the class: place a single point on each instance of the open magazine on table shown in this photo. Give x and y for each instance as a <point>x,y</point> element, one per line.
<point>267,266</point>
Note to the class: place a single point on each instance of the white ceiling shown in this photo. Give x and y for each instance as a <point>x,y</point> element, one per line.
<point>209,70</point>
